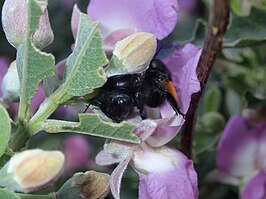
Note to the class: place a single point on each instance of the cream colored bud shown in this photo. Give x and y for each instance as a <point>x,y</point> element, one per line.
<point>15,22</point>
<point>35,168</point>
<point>135,52</point>
<point>10,84</point>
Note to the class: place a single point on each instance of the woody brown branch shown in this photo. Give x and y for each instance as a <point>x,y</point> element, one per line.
<point>218,23</point>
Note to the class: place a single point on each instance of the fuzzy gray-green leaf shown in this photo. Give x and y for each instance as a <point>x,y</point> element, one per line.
<point>6,194</point>
<point>243,30</point>
<point>5,129</point>
<point>91,124</point>
<point>84,70</point>
<point>33,65</point>
<point>248,30</point>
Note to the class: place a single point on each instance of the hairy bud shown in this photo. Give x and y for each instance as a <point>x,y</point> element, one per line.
<point>132,54</point>
<point>15,23</point>
<point>33,169</point>
<point>10,84</point>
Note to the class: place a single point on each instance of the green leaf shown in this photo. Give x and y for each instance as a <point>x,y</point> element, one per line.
<point>91,124</point>
<point>205,141</point>
<point>243,31</point>
<point>253,101</point>
<point>199,33</point>
<point>67,191</point>
<point>5,129</point>
<point>212,99</point>
<point>233,102</point>
<point>184,33</point>
<point>247,30</point>
<point>50,85</point>
<point>6,194</point>
<point>236,7</point>
<point>84,70</point>
<point>33,65</point>
<point>213,122</point>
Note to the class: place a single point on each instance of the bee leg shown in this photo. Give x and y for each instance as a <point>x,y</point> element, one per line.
<point>94,101</point>
<point>87,107</point>
<point>143,113</point>
<point>172,101</point>
<point>140,105</point>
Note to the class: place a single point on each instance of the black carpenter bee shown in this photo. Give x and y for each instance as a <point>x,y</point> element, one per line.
<point>121,93</point>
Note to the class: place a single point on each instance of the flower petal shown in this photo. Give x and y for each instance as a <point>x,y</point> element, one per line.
<point>3,70</point>
<point>183,63</point>
<point>145,129</point>
<point>115,36</point>
<point>165,173</point>
<point>75,20</point>
<point>166,130</point>
<point>256,187</point>
<point>104,158</point>
<point>157,132</point>
<point>116,177</point>
<point>237,148</point>
<point>160,15</point>
<point>223,177</point>
<point>114,152</point>
<point>261,154</point>
<point>37,99</point>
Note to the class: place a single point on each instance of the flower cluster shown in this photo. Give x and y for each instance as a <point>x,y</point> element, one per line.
<point>240,156</point>
<point>164,172</point>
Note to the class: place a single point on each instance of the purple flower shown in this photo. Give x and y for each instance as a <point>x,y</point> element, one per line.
<point>121,18</point>
<point>163,172</point>
<point>37,99</point>
<point>76,151</point>
<point>159,130</point>
<point>241,157</point>
<point>182,64</point>
<point>3,70</point>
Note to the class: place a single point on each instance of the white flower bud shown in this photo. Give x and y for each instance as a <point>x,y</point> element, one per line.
<point>35,168</point>
<point>15,18</point>
<point>133,54</point>
<point>10,84</point>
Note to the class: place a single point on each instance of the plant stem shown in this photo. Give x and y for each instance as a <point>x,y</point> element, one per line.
<point>31,196</point>
<point>217,27</point>
<point>46,109</point>
<point>26,130</point>
<point>19,139</point>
